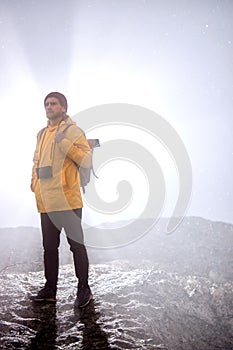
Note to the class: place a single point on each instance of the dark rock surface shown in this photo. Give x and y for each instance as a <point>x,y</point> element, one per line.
<point>161,292</point>
<point>134,308</point>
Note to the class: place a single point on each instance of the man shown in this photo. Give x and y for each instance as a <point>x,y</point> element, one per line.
<point>61,146</point>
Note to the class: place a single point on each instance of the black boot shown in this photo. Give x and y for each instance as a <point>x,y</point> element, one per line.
<point>45,294</point>
<point>84,296</point>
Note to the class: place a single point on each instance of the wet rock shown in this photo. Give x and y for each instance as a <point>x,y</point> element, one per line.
<point>172,292</point>
<point>134,308</point>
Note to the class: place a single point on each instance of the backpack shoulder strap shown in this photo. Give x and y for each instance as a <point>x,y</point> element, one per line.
<point>67,127</point>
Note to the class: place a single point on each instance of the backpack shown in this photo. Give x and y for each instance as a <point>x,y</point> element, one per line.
<point>84,173</point>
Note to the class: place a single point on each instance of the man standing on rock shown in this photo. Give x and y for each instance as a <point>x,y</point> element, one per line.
<point>61,146</point>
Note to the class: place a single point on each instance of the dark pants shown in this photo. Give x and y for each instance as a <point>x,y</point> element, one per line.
<point>52,224</point>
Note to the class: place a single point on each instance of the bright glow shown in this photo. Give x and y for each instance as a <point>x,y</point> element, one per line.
<point>20,123</point>
<point>176,61</point>
<point>117,170</point>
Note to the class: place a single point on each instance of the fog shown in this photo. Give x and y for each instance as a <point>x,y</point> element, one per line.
<point>172,57</point>
<point>172,60</point>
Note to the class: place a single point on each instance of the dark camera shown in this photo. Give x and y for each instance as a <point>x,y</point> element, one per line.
<point>44,172</point>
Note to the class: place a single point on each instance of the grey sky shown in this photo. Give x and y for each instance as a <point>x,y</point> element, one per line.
<point>174,57</point>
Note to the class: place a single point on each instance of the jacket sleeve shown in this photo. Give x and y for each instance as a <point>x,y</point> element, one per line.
<point>77,150</point>
<point>35,165</point>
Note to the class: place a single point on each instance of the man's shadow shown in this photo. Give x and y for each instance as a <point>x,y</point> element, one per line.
<point>46,328</point>
<point>93,336</point>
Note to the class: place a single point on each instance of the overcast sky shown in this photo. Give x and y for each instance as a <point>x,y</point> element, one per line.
<point>173,57</point>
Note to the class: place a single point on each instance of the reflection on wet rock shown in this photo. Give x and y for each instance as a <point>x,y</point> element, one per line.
<point>162,292</point>
<point>135,307</point>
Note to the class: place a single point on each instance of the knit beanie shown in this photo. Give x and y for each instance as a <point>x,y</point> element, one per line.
<point>62,99</point>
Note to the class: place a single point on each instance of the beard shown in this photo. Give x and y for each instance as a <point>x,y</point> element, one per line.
<point>54,116</point>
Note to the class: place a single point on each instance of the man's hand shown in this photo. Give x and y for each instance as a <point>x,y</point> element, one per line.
<point>59,136</point>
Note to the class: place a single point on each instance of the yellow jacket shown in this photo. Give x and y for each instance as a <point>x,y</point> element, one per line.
<point>62,190</point>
